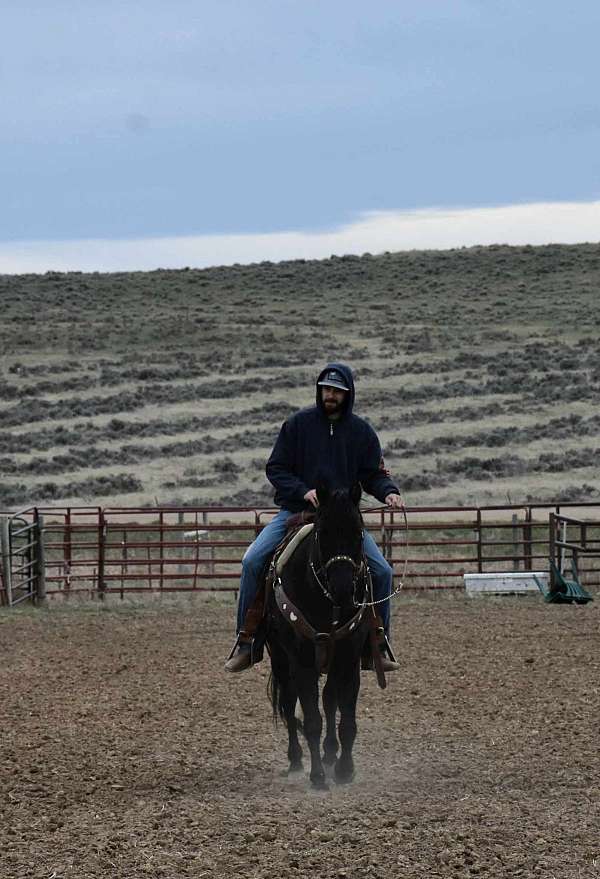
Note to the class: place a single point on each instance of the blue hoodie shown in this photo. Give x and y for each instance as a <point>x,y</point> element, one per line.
<point>311,447</point>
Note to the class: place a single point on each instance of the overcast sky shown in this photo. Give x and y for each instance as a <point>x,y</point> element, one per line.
<point>257,122</point>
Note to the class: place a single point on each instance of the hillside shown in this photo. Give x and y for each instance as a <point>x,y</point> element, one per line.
<point>480,369</point>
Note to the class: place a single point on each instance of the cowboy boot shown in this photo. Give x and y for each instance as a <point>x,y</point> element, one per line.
<point>240,657</point>
<point>245,650</point>
<point>378,641</point>
<point>389,664</point>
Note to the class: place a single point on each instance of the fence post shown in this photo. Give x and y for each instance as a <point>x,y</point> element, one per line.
<point>101,586</point>
<point>161,537</point>
<point>515,537</point>
<point>552,550</point>
<point>527,538</point>
<point>563,537</point>
<point>149,557</point>
<point>67,551</point>
<point>39,562</point>
<point>479,544</point>
<point>211,549</point>
<point>124,569</point>
<point>180,539</point>
<point>6,565</point>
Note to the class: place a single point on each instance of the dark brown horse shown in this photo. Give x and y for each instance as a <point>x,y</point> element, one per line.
<point>319,625</point>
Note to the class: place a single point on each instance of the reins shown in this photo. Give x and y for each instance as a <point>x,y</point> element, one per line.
<point>400,585</point>
<point>358,567</point>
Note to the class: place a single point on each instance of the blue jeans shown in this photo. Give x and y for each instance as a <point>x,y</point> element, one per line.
<point>272,534</point>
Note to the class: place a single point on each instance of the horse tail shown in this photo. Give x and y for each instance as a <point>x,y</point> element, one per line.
<point>274,690</point>
<point>280,688</point>
<point>274,693</point>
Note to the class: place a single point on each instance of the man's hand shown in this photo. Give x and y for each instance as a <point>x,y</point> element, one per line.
<point>394,501</point>
<point>311,497</point>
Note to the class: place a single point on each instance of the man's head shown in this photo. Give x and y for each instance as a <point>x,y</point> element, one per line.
<point>333,400</point>
<point>334,391</point>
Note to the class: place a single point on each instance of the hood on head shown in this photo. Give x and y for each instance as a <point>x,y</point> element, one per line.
<point>347,373</point>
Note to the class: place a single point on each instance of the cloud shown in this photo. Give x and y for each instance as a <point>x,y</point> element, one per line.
<point>373,232</point>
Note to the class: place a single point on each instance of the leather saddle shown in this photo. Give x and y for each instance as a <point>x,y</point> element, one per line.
<point>254,631</point>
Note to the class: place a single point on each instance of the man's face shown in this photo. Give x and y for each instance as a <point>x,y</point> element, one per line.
<point>333,399</point>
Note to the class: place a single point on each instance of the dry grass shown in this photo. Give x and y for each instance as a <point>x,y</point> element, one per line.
<point>133,388</point>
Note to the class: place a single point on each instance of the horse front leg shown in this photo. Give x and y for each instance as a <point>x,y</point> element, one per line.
<point>330,703</point>
<point>348,689</point>
<point>307,682</point>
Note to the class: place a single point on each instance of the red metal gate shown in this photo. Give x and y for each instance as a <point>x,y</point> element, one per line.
<point>22,550</point>
<point>99,551</point>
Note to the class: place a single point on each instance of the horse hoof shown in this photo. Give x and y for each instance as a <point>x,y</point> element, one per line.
<point>319,784</point>
<point>295,767</point>
<point>345,780</point>
<point>344,775</point>
<point>329,759</point>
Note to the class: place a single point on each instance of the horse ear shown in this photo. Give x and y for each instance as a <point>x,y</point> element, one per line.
<point>356,493</point>
<point>323,493</point>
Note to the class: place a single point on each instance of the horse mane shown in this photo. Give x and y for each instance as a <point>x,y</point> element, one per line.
<point>338,514</point>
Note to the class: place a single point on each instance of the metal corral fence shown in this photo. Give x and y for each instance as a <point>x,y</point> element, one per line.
<point>99,551</point>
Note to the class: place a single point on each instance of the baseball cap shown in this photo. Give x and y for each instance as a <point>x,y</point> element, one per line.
<point>334,379</point>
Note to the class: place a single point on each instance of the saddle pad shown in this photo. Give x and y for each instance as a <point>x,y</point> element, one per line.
<point>289,550</point>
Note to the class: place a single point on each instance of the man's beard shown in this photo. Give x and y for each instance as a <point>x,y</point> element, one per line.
<point>333,408</point>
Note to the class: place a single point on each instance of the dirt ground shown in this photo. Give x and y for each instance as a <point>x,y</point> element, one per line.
<point>126,751</point>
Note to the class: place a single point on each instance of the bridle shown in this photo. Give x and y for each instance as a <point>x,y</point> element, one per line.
<point>359,568</point>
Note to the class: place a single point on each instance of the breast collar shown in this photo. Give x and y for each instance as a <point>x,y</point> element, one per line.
<point>295,617</point>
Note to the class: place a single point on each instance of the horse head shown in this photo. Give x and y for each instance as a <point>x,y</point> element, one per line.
<point>339,533</point>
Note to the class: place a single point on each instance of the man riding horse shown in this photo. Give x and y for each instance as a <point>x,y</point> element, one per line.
<point>326,442</point>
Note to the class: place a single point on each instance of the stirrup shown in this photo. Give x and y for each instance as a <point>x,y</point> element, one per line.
<point>256,647</point>
<point>386,647</point>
